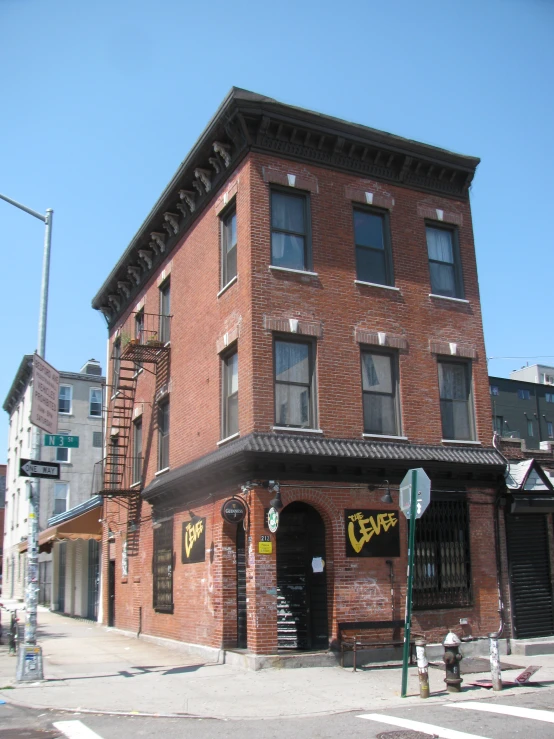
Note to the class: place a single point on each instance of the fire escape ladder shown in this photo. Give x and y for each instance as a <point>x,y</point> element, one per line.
<point>119,428</point>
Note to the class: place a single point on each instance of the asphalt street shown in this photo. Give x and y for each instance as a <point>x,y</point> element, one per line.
<point>498,717</point>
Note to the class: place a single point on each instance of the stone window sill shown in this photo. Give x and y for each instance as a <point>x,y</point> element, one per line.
<point>447,297</point>
<point>461,441</point>
<point>376,284</point>
<point>227,286</point>
<point>386,437</point>
<point>228,438</point>
<point>297,430</point>
<point>161,472</point>
<point>288,270</point>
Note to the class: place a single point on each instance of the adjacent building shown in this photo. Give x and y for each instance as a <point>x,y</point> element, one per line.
<point>2,510</point>
<point>295,325</point>
<point>541,373</point>
<point>523,410</point>
<point>80,414</point>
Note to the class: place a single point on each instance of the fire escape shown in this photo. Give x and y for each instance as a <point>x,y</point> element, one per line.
<point>143,344</point>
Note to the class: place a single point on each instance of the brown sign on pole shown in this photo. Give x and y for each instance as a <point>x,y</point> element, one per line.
<point>44,398</point>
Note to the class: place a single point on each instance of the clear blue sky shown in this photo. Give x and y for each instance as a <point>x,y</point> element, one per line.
<point>101,101</point>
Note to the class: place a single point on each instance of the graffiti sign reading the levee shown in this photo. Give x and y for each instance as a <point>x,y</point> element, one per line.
<point>372,533</point>
<point>194,541</point>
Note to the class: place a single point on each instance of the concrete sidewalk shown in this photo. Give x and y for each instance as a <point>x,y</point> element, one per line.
<point>90,668</point>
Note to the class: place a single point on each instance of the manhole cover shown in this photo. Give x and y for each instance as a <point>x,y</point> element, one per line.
<point>406,734</point>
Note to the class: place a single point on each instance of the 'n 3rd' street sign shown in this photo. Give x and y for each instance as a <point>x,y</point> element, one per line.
<point>61,440</point>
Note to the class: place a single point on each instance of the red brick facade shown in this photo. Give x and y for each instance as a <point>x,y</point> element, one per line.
<point>340,315</point>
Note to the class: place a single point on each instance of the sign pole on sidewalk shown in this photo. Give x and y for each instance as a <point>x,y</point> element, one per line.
<point>409,585</point>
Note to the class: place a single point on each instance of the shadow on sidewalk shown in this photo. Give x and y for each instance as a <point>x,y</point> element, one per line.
<point>162,671</point>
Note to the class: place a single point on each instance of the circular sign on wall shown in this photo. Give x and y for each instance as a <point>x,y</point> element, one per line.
<point>233,510</point>
<point>273,520</point>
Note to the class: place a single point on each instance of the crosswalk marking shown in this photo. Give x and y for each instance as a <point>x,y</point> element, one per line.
<point>520,712</point>
<point>76,730</point>
<point>406,723</point>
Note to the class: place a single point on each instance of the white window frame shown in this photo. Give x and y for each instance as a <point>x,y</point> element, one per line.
<point>68,460</point>
<point>90,393</point>
<point>66,413</point>
<point>56,486</point>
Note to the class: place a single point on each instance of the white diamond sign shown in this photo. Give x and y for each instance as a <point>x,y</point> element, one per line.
<point>423,490</point>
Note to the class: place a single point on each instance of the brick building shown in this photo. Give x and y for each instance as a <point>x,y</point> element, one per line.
<point>298,320</point>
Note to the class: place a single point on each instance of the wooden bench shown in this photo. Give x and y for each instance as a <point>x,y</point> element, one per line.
<point>356,635</point>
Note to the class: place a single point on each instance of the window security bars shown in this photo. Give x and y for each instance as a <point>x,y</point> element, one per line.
<point>442,567</point>
<point>162,565</point>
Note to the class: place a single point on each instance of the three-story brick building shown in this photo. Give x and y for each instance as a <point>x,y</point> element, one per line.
<point>298,321</point>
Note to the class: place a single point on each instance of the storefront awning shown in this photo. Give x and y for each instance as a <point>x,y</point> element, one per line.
<point>81,522</point>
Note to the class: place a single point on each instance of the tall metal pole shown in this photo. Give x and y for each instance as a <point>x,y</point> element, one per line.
<point>31,593</point>
<point>409,586</point>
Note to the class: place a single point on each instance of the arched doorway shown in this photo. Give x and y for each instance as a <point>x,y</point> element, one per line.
<point>301,579</point>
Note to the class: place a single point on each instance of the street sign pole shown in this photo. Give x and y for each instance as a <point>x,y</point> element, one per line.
<point>409,585</point>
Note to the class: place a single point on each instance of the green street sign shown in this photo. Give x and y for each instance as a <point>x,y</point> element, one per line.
<point>61,440</point>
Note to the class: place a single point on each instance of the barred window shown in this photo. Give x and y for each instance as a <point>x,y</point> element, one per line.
<point>162,566</point>
<point>442,568</point>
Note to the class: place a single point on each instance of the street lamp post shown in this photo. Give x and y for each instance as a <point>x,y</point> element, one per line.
<point>31,593</point>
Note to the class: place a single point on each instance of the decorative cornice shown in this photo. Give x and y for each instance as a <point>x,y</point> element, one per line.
<point>247,122</point>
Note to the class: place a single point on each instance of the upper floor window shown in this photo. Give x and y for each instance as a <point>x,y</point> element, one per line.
<point>530,428</point>
<point>165,308</point>
<point>65,397</point>
<point>62,452</point>
<point>230,395</point>
<point>547,379</point>
<point>523,394</point>
<point>455,398</point>
<point>549,397</point>
<point>379,393</point>
<point>550,429</point>
<point>61,494</point>
<point>373,253</point>
<point>494,389</point>
<point>294,384</point>
<point>444,262</point>
<point>228,247</point>
<point>163,436</point>
<point>290,231</point>
<point>95,402</point>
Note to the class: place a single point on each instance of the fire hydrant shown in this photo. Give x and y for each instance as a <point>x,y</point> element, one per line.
<point>452,658</point>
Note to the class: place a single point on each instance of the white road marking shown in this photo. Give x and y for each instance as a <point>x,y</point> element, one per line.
<point>533,713</point>
<point>76,730</point>
<point>431,729</point>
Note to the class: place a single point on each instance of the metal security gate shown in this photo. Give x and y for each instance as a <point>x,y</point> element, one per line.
<point>241,589</point>
<point>93,579</point>
<point>530,581</point>
<point>62,557</point>
<point>301,580</point>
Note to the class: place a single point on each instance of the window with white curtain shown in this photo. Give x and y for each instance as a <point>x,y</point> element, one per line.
<point>456,401</point>
<point>444,267</point>
<point>294,384</point>
<point>379,393</point>
<point>290,232</point>
<point>95,402</point>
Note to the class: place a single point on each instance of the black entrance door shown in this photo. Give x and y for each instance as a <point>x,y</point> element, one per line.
<point>531,586</point>
<point>111,593</point>
<point>301,579</point>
